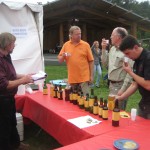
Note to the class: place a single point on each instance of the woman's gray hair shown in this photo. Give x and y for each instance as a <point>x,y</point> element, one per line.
<point>6,39</point>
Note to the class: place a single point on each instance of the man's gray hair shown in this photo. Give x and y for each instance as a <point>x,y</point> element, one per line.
<point>121,31</point>
<point>72,28</point>
<point>6,39</point>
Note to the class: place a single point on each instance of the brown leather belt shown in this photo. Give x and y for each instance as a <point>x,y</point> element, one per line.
<point>115,81</point>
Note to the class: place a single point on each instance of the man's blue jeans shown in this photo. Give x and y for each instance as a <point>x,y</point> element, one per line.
<point>97,68</point>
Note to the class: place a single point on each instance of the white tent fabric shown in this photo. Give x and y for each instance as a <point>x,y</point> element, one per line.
<point>25,21</point>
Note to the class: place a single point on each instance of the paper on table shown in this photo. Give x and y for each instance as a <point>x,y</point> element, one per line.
<point>84,121</point>
<point>38,76</point>
<point>124,114</point>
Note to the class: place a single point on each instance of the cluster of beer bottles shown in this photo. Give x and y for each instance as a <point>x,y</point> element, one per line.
<point>88,102</point>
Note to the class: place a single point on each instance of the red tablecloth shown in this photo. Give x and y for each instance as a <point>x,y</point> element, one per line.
<point>52,115</point>
<point>105,141</point>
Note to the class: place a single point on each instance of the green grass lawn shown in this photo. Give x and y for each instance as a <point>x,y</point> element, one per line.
<point>39,139</point>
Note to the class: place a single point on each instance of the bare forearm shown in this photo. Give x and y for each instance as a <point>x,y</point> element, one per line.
<point>20,76</point>
<point>91,65</point>
<point>141,81</point>
<point>22,80</point>
<point>15,83</point>
<point>132,88</point>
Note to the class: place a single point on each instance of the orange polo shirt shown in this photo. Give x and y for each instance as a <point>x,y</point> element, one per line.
<point>78,62</point>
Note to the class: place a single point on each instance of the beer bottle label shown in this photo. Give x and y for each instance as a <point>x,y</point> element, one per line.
<point>86,104</point>
<point>45,91</point>
<point>100,111</point>
<point>95,110</point>
<point>74,96</point>
<point>91,102</point>
<point>105,113</point>
<point>81,101</point>
<point>78,98</point>
<point>71,97</point>
<point>116,116</point>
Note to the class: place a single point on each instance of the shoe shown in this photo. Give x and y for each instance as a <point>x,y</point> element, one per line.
<point>97,86</point>
<point>92,86</point>
<point>23,146</point>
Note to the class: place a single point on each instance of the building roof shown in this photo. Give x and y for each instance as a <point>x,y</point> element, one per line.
<point>99,13</point>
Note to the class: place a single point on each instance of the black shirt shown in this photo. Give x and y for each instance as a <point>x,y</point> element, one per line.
<point>142,68</point>
<point>7,73</point>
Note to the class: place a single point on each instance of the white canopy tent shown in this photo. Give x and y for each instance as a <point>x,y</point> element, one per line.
<point>25,21</point>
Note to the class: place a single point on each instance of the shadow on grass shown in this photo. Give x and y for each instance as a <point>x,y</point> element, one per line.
<point>39,139</point>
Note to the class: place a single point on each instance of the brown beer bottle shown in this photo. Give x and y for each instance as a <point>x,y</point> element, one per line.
<point>60,93</point>
<point>100,108</point>
<point>116,115</point>
<point>81,101</point>
<point>86,102</point>
<point>79,94</point>
<point>95,106</point>
<point>55,91</point>
<point>67,92</point>
<point>91,101</point>
<point>105,111</point>
<point>75,95</point>
<point>45,89</point>
<point>51,89</point>
<point>71,95</point>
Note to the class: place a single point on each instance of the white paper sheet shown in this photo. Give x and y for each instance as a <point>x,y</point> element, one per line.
<point>84,121</point>
<point>38,76</point>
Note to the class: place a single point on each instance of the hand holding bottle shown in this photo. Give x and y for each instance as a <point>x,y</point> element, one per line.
<point>104,43</point>
<point>126,59</point>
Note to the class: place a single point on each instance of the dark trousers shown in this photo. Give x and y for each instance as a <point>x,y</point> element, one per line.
<point>9,137</point>
<point>145,113</point>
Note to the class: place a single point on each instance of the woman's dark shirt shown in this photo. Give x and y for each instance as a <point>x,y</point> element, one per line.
<point>7,73</point>
<point>96,55</point>
<point>142,68</point>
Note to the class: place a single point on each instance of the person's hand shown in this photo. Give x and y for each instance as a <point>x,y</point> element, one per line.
<point>117,97</point>
<point>91,80</point>
<point>120,92</point>
<point>94,43</point>
<point>127,67</point>
<point>64,54</point>
<point>27,79</point>
<point>104,44</point>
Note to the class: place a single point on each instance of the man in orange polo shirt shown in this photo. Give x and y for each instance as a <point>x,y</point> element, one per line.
<point>79,60</point>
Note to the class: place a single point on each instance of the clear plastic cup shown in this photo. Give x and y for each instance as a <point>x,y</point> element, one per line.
<point>133,114</point>
<point>126,59</point>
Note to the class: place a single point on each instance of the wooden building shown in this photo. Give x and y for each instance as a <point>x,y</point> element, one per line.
<point>96,18</point>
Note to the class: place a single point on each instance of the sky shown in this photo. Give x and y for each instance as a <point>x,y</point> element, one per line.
<point>44,1</point>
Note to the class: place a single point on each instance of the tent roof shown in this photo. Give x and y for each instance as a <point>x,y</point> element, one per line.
<point>20,5</point>
<point>96,12</point>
